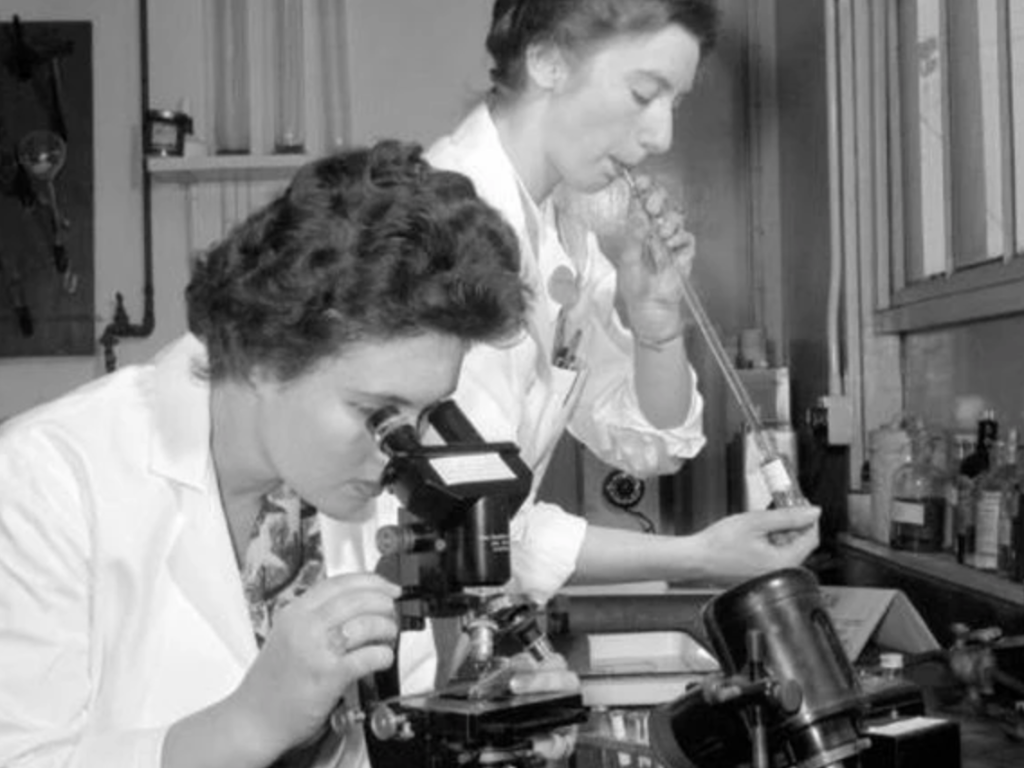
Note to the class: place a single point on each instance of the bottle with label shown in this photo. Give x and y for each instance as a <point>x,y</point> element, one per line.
<point>919,497</point>
<point>891,666</point>
<point>781,480</point>
<point>1008,554</point>
<point>989,500</point>
<point>890,450</point>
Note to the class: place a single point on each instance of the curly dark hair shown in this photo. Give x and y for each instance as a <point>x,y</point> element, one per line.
<point>367,244</point>
<point>573,24</point>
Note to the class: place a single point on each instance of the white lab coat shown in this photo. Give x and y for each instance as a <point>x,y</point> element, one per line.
<point>121,604</point>
<point>517,394</point>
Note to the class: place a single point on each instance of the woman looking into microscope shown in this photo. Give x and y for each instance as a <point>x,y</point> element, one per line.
<point>153,612</point>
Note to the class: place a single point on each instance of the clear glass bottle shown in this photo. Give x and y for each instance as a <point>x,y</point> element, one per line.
<point>918,499</point>
<point>891,666</point>
<point>890,450</point>
<point>780,478</point>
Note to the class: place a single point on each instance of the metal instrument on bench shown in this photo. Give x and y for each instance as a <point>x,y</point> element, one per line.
<point>451,554</point>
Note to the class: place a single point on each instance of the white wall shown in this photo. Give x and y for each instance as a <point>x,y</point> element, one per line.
<point>118,247</point>
<point>415,67</point>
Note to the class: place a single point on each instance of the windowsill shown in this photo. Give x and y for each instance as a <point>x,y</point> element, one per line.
<point>982,292</point>
<point>939,567</point>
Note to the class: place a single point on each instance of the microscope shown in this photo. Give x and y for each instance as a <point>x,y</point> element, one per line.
<point>788,698</point>
<point>450,553</point>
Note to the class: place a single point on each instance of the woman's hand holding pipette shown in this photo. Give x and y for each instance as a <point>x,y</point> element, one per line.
<point>651,267</point>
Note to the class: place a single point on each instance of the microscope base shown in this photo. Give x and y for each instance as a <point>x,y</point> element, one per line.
<point>448,731</point>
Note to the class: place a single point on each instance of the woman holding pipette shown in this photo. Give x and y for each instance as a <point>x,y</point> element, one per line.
<point>583,89</point>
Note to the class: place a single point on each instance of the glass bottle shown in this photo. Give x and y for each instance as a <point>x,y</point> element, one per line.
<point>289,85</point>
<point>891,666</point>
<point>780,478</point>
<point>1007,557</point>
<point>971,468</point>
<point>959,508</point>
<point>989,500</point>
<point>1017,502</point>
<point>980,458</point>
<point>918,499</point>
<point>231,134</point>
<point>890,450</point>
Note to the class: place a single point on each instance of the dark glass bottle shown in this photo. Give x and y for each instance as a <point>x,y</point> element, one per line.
<point>980,458</point>
<point>975,464</point>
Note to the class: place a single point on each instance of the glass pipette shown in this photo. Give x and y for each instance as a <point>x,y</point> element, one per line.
<point>777,473</point>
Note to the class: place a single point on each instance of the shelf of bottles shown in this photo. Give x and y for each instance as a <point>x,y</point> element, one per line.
<point>941,567</point>
<point>949,505</point>
<point>274,91</point>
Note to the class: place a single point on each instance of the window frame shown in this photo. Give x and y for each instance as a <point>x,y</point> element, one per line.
<point>964,293</point>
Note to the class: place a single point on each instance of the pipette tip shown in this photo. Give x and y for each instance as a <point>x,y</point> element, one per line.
<point>627,176</point>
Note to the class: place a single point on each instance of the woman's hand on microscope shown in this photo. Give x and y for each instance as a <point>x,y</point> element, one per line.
<point>343,628</point>
<point>746,545</point>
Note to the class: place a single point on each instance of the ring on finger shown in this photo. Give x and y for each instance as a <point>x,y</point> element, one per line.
<point>338,639</point>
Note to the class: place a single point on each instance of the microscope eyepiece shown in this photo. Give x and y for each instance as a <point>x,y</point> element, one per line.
<point>394,433</point>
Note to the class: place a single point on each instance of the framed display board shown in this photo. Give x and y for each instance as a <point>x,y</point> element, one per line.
<point>47,188</point>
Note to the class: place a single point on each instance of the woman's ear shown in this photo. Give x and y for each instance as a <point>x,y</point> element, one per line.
<point>546,66</point>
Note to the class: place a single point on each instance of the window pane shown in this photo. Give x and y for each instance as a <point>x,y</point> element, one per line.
<point>925,133</point>
<point>1016,24</point>
<point>976,152</point>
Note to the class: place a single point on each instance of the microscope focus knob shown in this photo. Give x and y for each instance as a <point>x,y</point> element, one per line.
<point>387,724</point>
<point>344,719</point>
<point>788,695</point>
<point>407,539</point>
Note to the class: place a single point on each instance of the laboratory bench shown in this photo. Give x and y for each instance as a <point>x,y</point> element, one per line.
<point>982,745</point>
<point>985,745</point>
<point>941,590</point>
<point>945,593</point>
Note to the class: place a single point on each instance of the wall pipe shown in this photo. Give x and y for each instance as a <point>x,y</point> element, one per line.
<point>121,326</point>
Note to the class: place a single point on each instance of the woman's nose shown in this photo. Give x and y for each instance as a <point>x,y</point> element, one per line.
<point>656,135</point>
